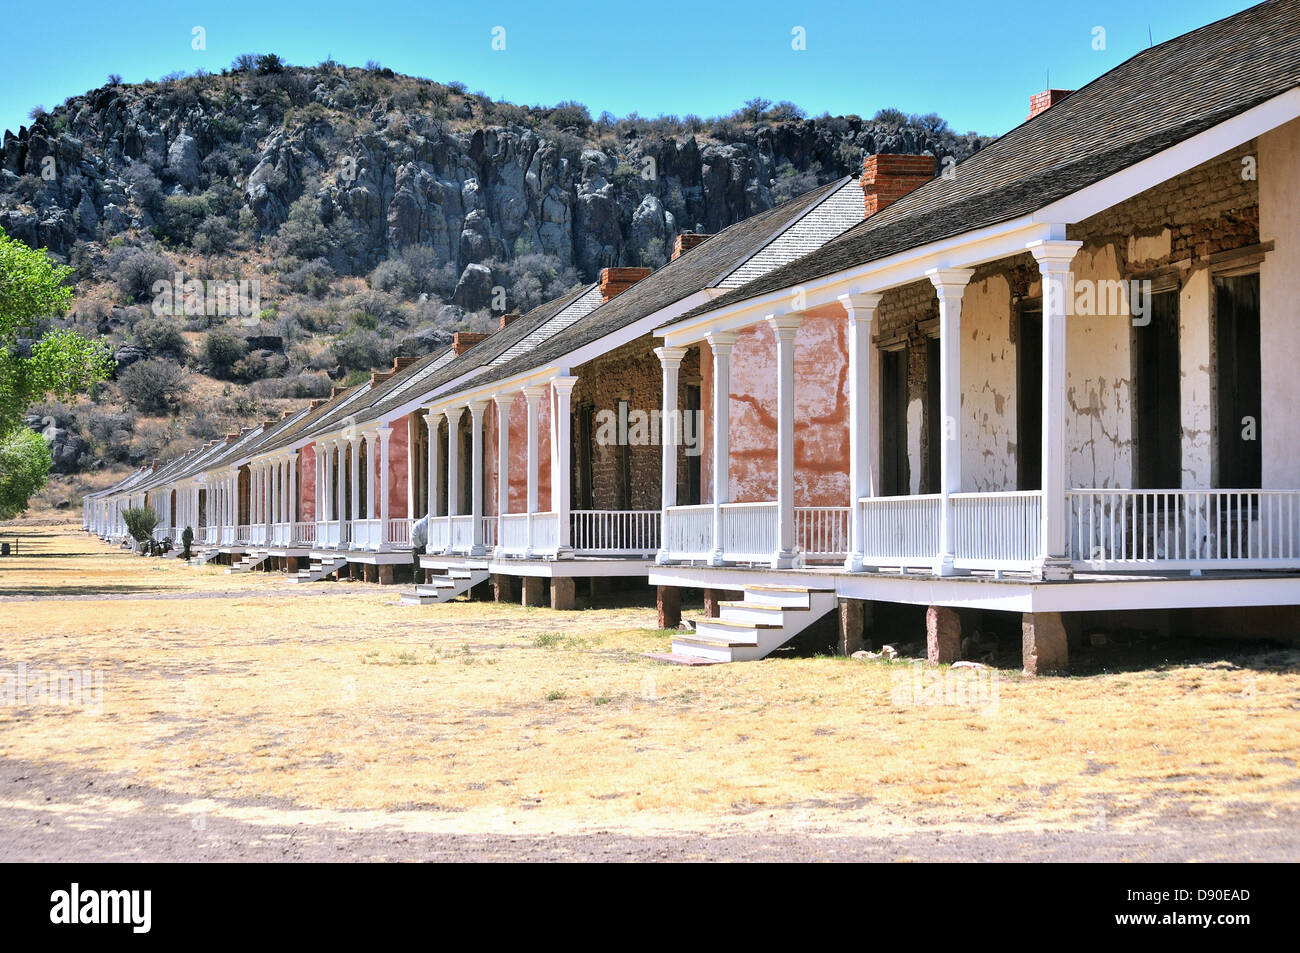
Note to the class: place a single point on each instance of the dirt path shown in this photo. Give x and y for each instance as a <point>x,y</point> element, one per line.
<point>48,816</point>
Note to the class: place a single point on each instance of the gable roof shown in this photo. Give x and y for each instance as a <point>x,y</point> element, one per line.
<point>1152,101</point>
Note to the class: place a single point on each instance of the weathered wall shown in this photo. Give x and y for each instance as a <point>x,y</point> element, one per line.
<point>397,469</point>
<point>307,483</point>
<point>821,413</point>
<point>988,373</point>
<point>1279,222</point>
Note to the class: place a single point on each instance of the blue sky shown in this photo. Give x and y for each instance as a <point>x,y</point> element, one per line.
<point>974,63</point>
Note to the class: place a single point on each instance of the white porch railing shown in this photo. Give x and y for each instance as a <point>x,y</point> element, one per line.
<point>900,530</point>
<point>822,532</point>
<point>281,534</point>
<point>439,534</point>
<point>490,532</point>
<point>688,532</point>
<point>327,534</point>
<point>524,534</point>
<point>304,534</point>
<point>997,530</point>
<point>399,533</point>
<point>1185,529</point>
<point>462,534</point>
<point>364,534</point>
<point>614,532</point>
<point>750,531</point>
<point>243,534</point>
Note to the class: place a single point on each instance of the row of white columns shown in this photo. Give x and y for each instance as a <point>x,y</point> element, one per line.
<point>1053,257</point>
<point>561,389</point>
<point>338,480</point>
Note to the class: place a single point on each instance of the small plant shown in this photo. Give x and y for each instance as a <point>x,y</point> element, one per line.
<point>555,696</point>
<point>140,522</point>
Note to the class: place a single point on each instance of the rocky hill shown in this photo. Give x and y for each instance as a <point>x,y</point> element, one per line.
<point>376,212</point>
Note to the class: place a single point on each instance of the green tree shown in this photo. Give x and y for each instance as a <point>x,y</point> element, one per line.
<point>24,467</point>
<point>58,365</point>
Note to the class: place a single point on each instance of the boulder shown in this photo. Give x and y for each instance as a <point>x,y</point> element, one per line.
<point>474,289</point>
<point>183,160</point>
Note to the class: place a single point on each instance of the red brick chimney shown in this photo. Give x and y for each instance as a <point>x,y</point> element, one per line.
<point>268,424</point>
<point>614,281</point>
<point>685,242</point>
<point>887,177</point>
<point>401,362</point>
<point>335,391</point>
<point>1046,100</point>
<point>507,319</point>
<point>316,403</point>
<point>462,341</point>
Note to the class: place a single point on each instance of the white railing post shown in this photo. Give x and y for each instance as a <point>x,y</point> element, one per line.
<point>949,284</point>
<point>340,498</point>
<point>561,453</point>
<point>721,343</point>
<point>476,409</point>
<point>785,327</point>
<point>861,312</point>
<point>1054,258</point>
<point>503,403</point>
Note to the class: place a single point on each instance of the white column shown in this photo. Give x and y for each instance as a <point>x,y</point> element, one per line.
<point>453,460</point>
<point>372,467</point>
<point>562,460</point>
<point>949,284</point>
<point>291,500</point>
<point>860,311</point>
<point>721,343</point>
<point>340,501</point>
<point>435,455</point>
<point>670,359</point>
<point>381,476</point>
<point>268,499</point>
<point>354,487</point>
<point>503,402</point>
<point>476,409</point>
<point>533,395</point>
<point>785,327</point>
<point>1054,258</point>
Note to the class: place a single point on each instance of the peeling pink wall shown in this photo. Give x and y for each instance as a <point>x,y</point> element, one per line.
<point>307,484</point>
<point>397,468</point>
<point>821,431</point>
<point>519,456</point>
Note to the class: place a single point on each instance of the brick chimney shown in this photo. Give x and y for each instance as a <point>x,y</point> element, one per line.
<point>268,424</point>
<point>335,391</point>
<point>1046,100</point>
<point>462,341</point>
<point>316,403</point>
<point>507,319</point>
<point>401,362</point>
<point>887,177</point>
<point>685,242</point>
<point>614,281</point>
<point>231,438</point>
<point>286,414</point>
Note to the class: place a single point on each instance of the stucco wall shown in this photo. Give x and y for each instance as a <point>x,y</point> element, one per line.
<point>307,483</point>
<point>397,468</point>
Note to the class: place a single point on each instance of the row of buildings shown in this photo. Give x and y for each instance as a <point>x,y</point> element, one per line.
<point>1054,379</point>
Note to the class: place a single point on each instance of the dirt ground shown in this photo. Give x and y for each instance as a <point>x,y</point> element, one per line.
<point>241,717</point>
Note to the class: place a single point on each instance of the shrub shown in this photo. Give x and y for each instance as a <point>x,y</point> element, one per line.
<point>140,522</point>
<point>213,235</point>
<point>134,271</point>
<point>160,336</point>
<point>359,350</point>
<point>153,386</point>
<point>222,349</point>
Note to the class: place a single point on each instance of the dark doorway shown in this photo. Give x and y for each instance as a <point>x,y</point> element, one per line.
<point>1238,381</point>
<point>583,470</point>
<point>624,458</point>
<point>1157,385</point>
<point>894,479</point>
<point>694,460</point>
<point>931,481</point>
<point>1029,397</point>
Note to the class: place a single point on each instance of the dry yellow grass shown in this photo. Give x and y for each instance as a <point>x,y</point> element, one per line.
<point>478,716</point>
